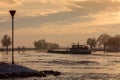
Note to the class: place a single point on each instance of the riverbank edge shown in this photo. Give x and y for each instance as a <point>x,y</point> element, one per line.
<point>18,71</point>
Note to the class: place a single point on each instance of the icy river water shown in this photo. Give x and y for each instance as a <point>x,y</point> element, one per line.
<point>95,66</point>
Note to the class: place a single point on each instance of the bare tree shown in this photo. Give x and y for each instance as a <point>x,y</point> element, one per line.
<point>114,43</point>
<point>6,42</point>
<point>91,42</point>
<point>103,40</point>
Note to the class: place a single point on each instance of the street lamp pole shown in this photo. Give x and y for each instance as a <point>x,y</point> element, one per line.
<point>12,13</point>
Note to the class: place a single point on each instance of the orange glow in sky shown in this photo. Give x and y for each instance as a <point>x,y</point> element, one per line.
<point>60,21</point>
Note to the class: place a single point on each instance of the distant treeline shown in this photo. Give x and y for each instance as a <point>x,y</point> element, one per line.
<point>38,45</point>
<point>43,44</point>
<point>105,42</point>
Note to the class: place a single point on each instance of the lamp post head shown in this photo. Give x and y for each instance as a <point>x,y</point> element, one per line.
<point>12,12</point>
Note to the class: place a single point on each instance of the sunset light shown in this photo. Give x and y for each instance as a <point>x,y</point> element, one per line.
<point>60,39</point>
<point>59,17</point>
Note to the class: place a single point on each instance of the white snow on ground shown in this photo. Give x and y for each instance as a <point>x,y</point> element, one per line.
<point>9,68</point>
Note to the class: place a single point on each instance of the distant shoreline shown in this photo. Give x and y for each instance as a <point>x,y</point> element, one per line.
<point>25,49</point>
<point>45,50</point>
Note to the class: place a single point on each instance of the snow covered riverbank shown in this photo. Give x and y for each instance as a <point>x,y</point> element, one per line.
<point>13,71</point>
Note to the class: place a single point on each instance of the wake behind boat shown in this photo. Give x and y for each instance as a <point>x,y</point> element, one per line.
<point>75,49</point>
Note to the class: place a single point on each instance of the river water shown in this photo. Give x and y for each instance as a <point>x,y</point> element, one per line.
<point>95,66</point>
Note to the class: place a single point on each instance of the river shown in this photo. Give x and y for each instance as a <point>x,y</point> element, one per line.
<point>95,66</point>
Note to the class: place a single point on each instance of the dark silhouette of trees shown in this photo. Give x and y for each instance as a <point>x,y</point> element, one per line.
<point>114,43</point>
<point>91,42</point>
<point>42,44</point>
<point>103,40</point>
<point>19,49</point>
<point>6,42</point>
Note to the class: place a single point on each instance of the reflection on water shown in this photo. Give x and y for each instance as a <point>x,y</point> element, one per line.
<point>74,65</point>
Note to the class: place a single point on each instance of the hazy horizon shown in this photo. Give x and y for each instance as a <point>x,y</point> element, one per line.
<point>60,21</point>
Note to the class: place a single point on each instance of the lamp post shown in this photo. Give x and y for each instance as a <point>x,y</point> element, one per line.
<point>12,13</point>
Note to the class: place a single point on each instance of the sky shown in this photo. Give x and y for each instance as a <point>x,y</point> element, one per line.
<point>60,21</point>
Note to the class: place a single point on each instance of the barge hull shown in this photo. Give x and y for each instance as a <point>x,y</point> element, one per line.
<point>68,52</point>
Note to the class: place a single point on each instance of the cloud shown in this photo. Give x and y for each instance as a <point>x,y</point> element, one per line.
<point>52,29</point>
<point>10,2</point>
<point>91,13</point>
<point>60,20</point>
<point>76,14</point>
<point>88,12</point>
